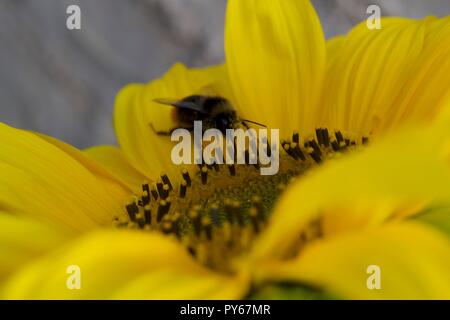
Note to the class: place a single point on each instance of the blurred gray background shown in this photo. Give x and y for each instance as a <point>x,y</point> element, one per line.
<point>63,82</point>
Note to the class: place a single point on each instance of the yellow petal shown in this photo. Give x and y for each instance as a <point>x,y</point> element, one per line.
<point>334,48</point>
<point>22,240</point>
<point>414,263</point>
<point>116,187</point>
<point>125,265</point>
<point>426,92</point>
<point>275,53</point>
<point>136,111</point>
<point>39,179</point>
<point>406,170</point>
<point>114,160</point>
<point>382,78</point>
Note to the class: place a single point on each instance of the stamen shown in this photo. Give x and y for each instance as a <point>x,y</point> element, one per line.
<point>145,194</point>
<point>132,210</point>
<point>316,156</point>
<point>204,173</point>
<point>165,179</point>
<point>159,187</point>
<point>313,144</point>
<point>325,137</point>
<point>167,226</point>
<point>287,148</point>
<point>183,188</point>
<point>253,213</point>
<point>140,220</point>
<point>214,214</point>
<point>339,137</point>
<point>257,204</point>
<point>297,151</point>
<point>319,136</point>
<point>165,191</point>
<point>347,142</point>
<point>194,216</point>
<point>148,215</point>
<point>207,227</point>
<point>154,193</point>
<point>232,169</point>
<point>163,209</point>
<point>225,209</point>
<point>175,221</point>
<point>335,146</point>
<point>296,137</point>
<point>186,177</point>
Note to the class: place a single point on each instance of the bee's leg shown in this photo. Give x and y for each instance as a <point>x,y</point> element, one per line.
<point>166,133</point>
<point>161,133</point>
<point>245,124</point>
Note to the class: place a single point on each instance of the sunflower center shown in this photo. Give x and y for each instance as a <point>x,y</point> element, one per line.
<point>217,210</point>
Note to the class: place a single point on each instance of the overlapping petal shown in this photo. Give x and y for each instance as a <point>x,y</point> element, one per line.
<point>408,260</point>
<point>123,265</point>
<point>113,159</point>
<point>22,240</point>
<point>382,78</point>
<point>39,179</point>
<point>275,53</point>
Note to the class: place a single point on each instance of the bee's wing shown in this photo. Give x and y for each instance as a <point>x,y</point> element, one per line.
<point>181,104</point>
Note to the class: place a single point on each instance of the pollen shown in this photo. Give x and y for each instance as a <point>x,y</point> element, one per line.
<point>217,210</point>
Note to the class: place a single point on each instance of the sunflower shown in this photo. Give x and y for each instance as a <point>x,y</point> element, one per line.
<point>363,178</point>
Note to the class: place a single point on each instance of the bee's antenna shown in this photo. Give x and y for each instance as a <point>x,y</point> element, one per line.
<point>250,121</point>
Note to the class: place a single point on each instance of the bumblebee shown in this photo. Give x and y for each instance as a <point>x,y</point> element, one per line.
<point>213,111</point>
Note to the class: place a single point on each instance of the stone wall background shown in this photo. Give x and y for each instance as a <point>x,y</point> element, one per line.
<point>63,82</point>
